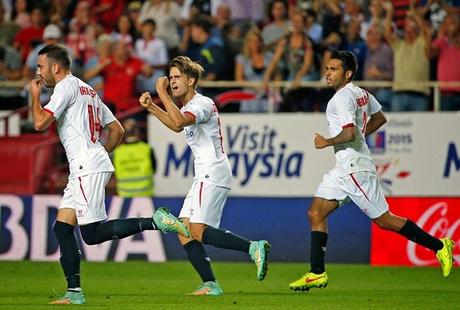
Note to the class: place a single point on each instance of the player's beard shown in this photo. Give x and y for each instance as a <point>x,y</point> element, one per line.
<point>48,83</point>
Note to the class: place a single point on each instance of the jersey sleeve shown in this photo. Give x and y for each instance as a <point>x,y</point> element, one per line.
<point>345,106</point>
<point>374,105</point>
<point>64,95</point>
<point>201,109</point>
<point>106,116</point>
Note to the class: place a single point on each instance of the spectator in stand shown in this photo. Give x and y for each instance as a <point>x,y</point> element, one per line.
<point>279,26</point>
<point>296,53</point>
<point>152,51</point>
<point>378,64</point>
<point>59,13</point>
<point>251,65</point>
<point>8,30</point>
<point>244,11</point>
<point>221,20</point>
<point>167,15</point>
<point>82,33</point>
<point>119,73</point>
<point>125,30</point>
<point>314,29</point>
<point>332,18</point>
<point>213,54</point>
<point>107,11</point>
<point>376,17</point>
<point>433,11</point>
<point>134,12</point>
<point>21,14</point>
<point>27,37</point>
<point>400,8</point>
<point>353,42</point>
<point>10,70</point>
<point>352,11</point>
<point>51,35</point>
<point>411,62</point>
<point>103,46</point>
<point>447,48</point>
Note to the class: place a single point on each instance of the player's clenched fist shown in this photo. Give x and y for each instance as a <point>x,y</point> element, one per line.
<point>35,87</point>
<point>145,100</point>
<point>320,141</point>
<point>162,84</point>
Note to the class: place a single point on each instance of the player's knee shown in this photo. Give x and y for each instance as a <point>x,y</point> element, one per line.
<point>196,232</point>
<point>61,229</point>
<point>314,215</point>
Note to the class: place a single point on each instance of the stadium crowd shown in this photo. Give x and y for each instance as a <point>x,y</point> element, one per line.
<point>121,47</point>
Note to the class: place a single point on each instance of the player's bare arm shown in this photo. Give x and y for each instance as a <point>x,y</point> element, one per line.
<point>179,119</point>
<point>42,119</point>
<point>376,121</point>
<point>147,103</point>
<point>346,135</point>
<point>115,135</point>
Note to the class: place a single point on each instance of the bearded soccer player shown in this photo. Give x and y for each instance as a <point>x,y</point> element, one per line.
<point>81,116</point>
<point>354,175</point>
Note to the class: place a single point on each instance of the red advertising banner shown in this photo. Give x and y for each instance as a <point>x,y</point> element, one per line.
<point>438,216</point>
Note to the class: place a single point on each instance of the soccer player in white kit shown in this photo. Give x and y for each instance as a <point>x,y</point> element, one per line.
<point>203,206</point>
<point>81,116</point>
<point>354,175</point>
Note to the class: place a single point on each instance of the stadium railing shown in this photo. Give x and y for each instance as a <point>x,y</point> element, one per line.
<point>435,85</point>
<point>59,169</point>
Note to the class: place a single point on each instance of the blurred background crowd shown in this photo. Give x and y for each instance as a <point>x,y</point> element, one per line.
<point>121,47</point>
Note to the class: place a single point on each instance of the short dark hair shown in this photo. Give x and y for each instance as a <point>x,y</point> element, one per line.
<point>349,61</point>
<point>149,22</point>
<point>57,53</point>
<point>203,22</point>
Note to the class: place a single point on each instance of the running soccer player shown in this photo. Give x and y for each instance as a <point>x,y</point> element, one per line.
<point>80,116</point>
<point>203,206</point>
<point>354,176</point>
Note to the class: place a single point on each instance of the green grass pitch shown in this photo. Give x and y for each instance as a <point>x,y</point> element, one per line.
<point>142,285</point>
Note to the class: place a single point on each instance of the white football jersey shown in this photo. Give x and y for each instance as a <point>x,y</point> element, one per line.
<point>351,106</point>
<point>80,116</point>
<point>206,142</point>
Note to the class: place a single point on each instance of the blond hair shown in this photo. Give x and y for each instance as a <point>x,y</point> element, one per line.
<point>254,32</point>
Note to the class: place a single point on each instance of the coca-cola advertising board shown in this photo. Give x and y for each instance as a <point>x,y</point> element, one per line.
<point>437,216</point>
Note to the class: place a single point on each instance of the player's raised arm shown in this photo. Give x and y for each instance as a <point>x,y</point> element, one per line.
<point>179,119</point>
<point>115,135</point>
<point>146,102</point>
<point>42,118</point>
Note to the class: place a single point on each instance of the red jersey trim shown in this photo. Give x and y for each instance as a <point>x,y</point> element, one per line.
<point>49,111</point>
<point>348,125</point>
<point>190,113</point>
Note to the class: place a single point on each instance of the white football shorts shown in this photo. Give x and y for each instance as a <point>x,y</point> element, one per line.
<point>362,188</point>
<point>204,203</point>
<point>86,195</point>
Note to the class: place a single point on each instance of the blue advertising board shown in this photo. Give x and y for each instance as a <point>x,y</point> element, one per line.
<point>26,230</point>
